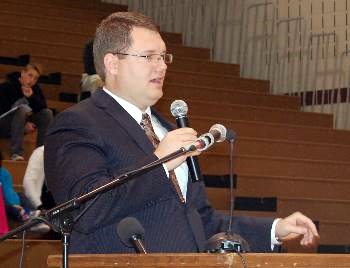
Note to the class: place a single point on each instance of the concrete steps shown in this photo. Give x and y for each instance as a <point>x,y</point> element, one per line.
<point>272,130</point>
<point>300,187</point>
<point>217,164</point>
<point>245,112</point>
<point>48,55</point>
<point>93,5</point>
<point>198,79</point>
<point>57,9</point>
<point>315,208</point>
<point>71,45</point>
<point>294,149</point>
<point>174,91</point>
<point>16,169</point>
<point>28,146</point>
<point>250,113</point>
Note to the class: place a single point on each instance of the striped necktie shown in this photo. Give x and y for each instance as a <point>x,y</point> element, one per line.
<point>148,128</point>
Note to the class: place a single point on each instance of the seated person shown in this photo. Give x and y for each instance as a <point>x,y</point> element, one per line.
<point>3,218</point>
<point>23,96</point>
<point>34,181</point>
<point>17,205</point>
<point>16,208</point>
<point>90,80</point>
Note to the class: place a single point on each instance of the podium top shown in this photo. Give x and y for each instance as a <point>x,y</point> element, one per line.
<point>232,260</point>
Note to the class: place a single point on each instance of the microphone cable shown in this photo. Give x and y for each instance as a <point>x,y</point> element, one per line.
<point>232,200</point>
<point>231,136</point>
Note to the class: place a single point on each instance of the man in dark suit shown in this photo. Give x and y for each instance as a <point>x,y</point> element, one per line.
<point>107,135</point>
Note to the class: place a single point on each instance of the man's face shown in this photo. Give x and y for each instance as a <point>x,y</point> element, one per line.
<point>29,77</point>
<point>139,80</point>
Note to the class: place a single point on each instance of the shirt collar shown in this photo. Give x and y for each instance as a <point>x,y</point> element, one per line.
<point>130,108</point>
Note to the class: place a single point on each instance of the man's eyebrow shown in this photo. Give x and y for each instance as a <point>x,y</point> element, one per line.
<point>154,51</point>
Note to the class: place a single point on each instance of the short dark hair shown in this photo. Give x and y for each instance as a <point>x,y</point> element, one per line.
<point>113,35</point>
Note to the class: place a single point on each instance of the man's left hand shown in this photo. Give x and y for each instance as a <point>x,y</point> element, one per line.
<point>297,225</point>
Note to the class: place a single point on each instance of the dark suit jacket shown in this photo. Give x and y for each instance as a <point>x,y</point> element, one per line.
<point>97,139</point>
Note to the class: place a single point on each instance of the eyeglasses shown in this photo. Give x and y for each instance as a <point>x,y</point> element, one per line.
<point>151,58</point>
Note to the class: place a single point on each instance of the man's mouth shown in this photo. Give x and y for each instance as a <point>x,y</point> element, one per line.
<point>158,80</point>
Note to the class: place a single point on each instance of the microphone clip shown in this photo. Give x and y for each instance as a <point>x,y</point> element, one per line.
<point>227,243</point>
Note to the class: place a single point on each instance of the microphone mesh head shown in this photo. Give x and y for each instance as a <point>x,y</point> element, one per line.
<point>128,227</point>
<point>178,108</point>
<point>219,132</point>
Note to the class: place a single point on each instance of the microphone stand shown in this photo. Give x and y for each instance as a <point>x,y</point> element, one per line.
<point>62,221</point>
<point>226,242</point>
<point>8,112</point>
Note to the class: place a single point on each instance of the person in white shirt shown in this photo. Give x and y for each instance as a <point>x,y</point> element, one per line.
<point>34,181</point>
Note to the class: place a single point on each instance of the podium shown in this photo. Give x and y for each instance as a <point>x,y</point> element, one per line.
<point>204,260</point>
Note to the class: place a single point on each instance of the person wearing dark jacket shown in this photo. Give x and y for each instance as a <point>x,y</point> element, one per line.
<point>23,108</point>
<point>117,130</point>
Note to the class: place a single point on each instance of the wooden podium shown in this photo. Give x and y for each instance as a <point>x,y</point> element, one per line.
<point>203,260</point>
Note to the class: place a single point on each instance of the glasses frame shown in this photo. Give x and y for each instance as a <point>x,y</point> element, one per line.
<point>148,57</point>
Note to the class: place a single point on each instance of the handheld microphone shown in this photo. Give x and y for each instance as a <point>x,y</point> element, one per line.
<point>179,110</point>
<point>131,233</point>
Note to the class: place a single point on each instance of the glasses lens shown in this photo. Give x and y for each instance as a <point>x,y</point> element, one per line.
<point>156,58</point>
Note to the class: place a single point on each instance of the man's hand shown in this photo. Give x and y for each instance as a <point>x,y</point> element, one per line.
<point>297,225</point>
<point>29,127</point>
<point>27,91</point>
<point>172,142</point>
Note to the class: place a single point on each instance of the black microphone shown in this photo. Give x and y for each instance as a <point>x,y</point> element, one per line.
<point>179,110</point>
<point>131,233</point>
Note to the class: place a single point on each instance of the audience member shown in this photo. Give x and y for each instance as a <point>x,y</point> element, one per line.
<point>34,181</point>
<point>115,131</point>
<point>3,217</point>
<point>22,94</point>
<point>90,80</point>
<point>18,207</point>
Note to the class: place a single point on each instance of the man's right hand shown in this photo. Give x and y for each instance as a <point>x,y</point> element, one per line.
<point>27,91</point>
<point>172,142</point>
<point>29,127</point>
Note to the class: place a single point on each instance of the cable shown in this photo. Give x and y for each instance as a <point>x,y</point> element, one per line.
<point>22,250</point>
<point>232,200</point>
<point>243,260</point>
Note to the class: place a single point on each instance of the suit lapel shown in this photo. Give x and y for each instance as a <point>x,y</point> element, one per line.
<point>117,112</point>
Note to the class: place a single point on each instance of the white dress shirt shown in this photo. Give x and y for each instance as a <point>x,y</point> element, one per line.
<point>182,170</point>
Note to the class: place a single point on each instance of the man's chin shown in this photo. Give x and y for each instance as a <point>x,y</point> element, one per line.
<point>155,98</point>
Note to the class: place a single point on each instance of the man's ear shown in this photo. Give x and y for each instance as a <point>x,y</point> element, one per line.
<point>111,63</point>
